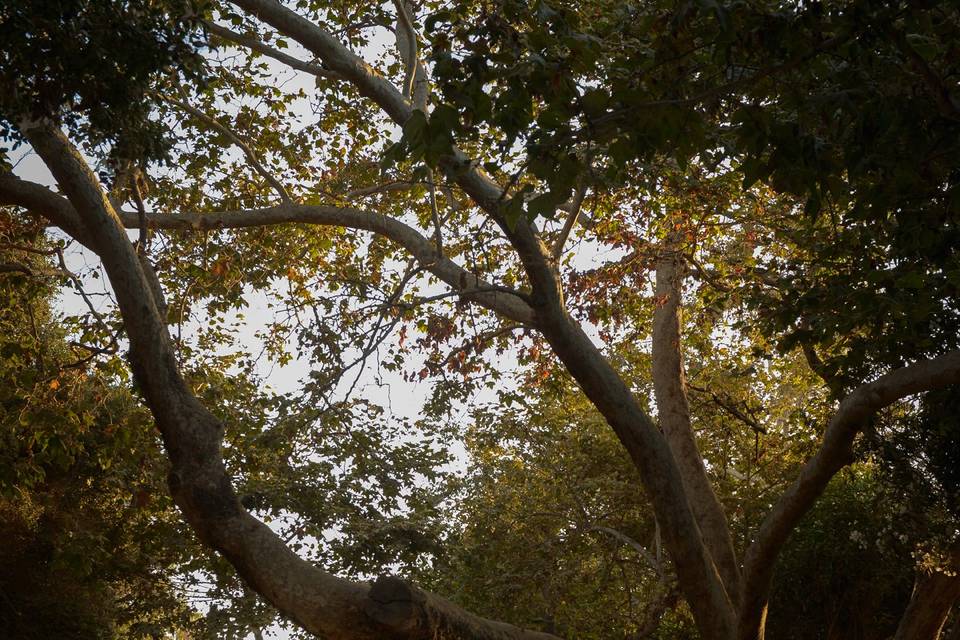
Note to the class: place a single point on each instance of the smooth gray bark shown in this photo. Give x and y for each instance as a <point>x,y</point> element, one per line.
<point>340,609</point>
<point>673,410</point>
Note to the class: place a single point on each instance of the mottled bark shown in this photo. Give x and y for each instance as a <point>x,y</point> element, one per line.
<point>58,210</point>
<point>696,571</point>
<point>337,608</point>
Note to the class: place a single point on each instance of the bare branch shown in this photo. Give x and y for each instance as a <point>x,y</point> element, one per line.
<point>435,213</point>
<point>599,380</point>
<point>321,603</point>
<point>469,286</point>
<point>633,544</point>
<point>40,200</point>
<point>731,408</point>
<point>408,47</point>
<point>569,223</point>
<point>673,410</point>
<point>504,301</point>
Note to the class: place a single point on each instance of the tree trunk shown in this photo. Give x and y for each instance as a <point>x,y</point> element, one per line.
<point>673,411</point>
<point>934,594</point>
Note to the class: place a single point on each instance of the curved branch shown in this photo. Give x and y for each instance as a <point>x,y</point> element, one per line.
<point>599,380</point>
<point>469,286</point>
<point>335,56</point>
<point>836,451</point>
<point>321,603</point>
<point>41,200</point>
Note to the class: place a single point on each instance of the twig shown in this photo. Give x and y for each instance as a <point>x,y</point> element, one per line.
<point>258,46</point>
<point>434,213</point>
<point>251,156</point>
<point>731,409</point>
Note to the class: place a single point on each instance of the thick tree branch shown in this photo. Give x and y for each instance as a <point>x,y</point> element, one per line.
<point>935,592</point>
<point>407,44</point>
<point>469,286</point>
<point>673,409</point>
<point>319,602</point>
<point>836,451</point>
<point>334,55</point>
<point>41,200</point>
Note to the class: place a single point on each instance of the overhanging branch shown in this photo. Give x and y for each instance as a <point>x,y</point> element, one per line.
<point>469,286</point>
<point>836,451</point>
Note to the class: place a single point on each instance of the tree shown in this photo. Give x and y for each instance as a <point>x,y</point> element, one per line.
<point>89,531</point>
<point>552,106</point>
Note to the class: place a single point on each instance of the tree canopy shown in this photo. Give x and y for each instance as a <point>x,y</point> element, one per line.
<point>608,320</point>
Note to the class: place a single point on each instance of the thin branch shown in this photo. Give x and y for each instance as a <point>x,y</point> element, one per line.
<point>504,300</point>
<point>395,185</point>
<point>260,47</point>
<point>435,213</point>
<point>78,285</point>
<point>569,223</point>
<point>320,602</point>
<point>731,409</point>
<point>633,544</point>
<point>706,275</point>
<point>235,139</point>
<point>946,105</point>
